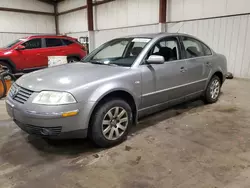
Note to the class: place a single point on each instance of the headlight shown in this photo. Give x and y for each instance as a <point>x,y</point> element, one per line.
<point>54,98</point>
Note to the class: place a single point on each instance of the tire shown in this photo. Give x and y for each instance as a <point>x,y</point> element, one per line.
<point>72,59</point>
<point>116,130</point>
<point>214,84</point>
<point>10,70</point>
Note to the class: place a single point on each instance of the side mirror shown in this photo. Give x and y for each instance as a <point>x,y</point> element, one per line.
<point>20,47</point>
<point>155,59</point>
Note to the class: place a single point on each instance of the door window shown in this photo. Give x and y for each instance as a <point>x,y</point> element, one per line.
<point>52,42</point>
<point>32,44</point>
<point>67,42</point>
<point>206,49</point>
<point>193,48</point>
<point>168,48</point>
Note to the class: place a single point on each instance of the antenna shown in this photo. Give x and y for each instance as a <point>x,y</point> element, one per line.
<point>180,27</point>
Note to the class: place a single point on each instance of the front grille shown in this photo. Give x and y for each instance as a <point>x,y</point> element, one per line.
<point>41,131</point>
<point>19,94</point>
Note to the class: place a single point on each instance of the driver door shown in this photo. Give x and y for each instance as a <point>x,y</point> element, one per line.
<point>31,56</point>
<point>164,83</point>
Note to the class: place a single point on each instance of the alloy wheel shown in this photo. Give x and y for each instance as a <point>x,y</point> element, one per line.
<point>115,123</point>
<point>215,89</point>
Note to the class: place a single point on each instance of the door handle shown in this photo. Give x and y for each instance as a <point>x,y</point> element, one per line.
<point>182,69</point>
<point>208,64</point>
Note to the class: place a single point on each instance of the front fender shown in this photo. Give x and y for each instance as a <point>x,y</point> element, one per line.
<point>108,88</point>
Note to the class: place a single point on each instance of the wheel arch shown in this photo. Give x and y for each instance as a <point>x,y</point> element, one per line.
<point>220,75</point>
<point>216,73</point>
<point>120,94</point>
<point>10,63</point>
<point>74,56</point>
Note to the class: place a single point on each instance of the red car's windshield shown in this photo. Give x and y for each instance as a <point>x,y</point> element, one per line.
<point>14,43</point>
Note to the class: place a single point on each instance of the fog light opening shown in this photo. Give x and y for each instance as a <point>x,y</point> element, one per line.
<point>45,132</point>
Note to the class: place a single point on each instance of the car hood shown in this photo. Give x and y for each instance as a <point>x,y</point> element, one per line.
<point>67,77</point>
<point>3,50</point>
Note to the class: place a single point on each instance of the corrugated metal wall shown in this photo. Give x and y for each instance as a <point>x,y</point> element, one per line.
<point>228,35</point>
<point>108,34</point>
<point>125,17</point>
<point>16,25</point>
<point>75,23</point>
<point>214,21</point>
<point>114,19</point>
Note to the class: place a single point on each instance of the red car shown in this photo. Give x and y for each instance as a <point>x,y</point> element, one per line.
<point>31,53</point>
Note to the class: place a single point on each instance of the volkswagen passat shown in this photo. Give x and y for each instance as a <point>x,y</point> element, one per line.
<point>103,95</point>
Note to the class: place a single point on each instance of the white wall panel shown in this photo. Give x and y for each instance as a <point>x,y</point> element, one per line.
<point>105,35</point>
<point>7,38</point>
<point>27,5</point>
<point>73,22</point>
<point>179,10</point>
<point>70,4</point>
<point>26,23</point>
<point>229,36</point>
<point>78,34</point>
<point>123,13</point>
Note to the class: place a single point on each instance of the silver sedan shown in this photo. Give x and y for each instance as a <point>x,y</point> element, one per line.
<point>102,96</point>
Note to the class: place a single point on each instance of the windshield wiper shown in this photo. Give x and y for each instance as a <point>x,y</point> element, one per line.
<point>97,62</point>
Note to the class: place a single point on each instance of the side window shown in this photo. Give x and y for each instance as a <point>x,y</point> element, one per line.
<point>168,48</point>
<point>206,49</point>
<point>193,48</point>
<point>32,44</point>
<point>136,48</point>
<point>52,42</point>
<point>67,42</point>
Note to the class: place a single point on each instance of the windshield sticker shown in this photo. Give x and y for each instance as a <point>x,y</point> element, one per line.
<point>141,40</point>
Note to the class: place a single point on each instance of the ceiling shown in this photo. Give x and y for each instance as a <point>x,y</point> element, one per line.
<point>51,1</point>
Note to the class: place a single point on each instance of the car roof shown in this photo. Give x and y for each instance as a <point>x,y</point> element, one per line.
<point>49,36</point>
<point>156,35</point>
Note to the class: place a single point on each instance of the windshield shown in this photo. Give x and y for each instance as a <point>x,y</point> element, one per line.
<point>14,43</point>
<point>121,52</point>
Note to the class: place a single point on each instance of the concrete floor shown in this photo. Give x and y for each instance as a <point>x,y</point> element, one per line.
<point>190,146</point>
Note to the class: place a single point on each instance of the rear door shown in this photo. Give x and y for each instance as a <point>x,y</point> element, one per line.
<point>198,57</point>
<point>55,47</point>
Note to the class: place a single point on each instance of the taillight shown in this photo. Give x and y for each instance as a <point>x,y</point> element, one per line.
<point>84,48</point>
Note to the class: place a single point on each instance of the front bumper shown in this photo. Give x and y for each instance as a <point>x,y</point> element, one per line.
<point>46,121</point>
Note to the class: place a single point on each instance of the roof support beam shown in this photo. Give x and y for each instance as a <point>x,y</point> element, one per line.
<point>56,17</point>
<point>90,15</point>
<point>162,11</point>
<point>26,11</point>
<point>162,15</point>
<point>85,6</point>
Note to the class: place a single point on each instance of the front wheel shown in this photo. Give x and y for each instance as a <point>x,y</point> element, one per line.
<point>6,66</point>
<point>212,92</point>
<point>110,123</point>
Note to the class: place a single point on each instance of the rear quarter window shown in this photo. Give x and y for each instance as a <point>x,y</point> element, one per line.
<point>67,42</point>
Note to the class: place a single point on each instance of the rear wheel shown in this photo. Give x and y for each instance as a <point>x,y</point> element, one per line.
<point>212,92</point>
<point>110,123</point>
<point>72,59</point>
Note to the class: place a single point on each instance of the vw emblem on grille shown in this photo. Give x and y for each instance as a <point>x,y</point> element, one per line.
<point>15,92</point>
